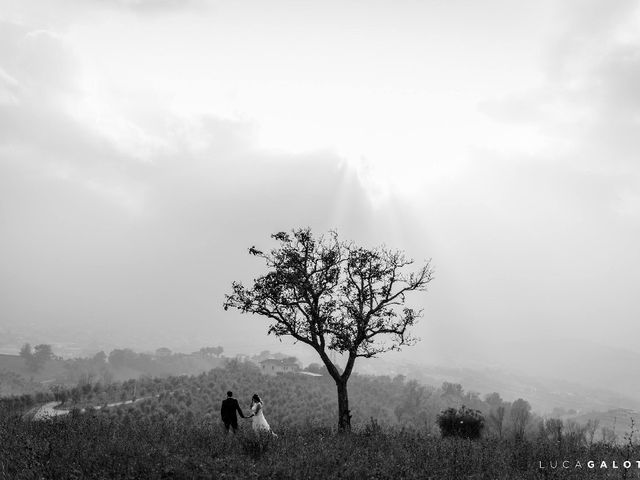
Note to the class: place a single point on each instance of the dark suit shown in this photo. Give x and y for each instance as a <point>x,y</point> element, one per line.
<point>228,413</point>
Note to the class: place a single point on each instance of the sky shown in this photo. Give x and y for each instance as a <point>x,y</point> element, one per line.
<point>145,145</point>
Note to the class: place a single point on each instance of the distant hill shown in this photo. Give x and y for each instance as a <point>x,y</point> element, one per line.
<point>599,367</point>
<point>290,399</point>
<point>618,420</point>
<point>544,394</point>
<point>16,378</point>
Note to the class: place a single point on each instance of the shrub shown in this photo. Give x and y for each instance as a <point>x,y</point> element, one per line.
<point>463,422</point>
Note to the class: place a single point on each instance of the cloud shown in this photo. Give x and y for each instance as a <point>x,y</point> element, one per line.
<point>117,209</point>
<point>37,131</point>
<point>541,239</point>
<point>588,107</point>
<point>92,234</point>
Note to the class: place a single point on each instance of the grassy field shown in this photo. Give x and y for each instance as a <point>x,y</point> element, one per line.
<point>174,432</point>
<point>95,446</point>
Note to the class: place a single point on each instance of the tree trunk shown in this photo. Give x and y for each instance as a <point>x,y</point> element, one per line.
<point>344,416</point>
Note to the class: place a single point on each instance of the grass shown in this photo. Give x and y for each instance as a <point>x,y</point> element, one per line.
<point>94,446</point>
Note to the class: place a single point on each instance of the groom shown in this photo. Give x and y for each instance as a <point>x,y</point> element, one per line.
<point>228,412</point>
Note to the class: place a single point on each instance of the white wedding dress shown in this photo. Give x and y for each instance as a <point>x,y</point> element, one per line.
<point>259,422</point>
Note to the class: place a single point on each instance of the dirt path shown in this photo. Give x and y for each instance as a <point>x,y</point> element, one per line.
<point>48,409</point>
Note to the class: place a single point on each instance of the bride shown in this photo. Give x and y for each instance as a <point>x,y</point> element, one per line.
<point>259,422</point>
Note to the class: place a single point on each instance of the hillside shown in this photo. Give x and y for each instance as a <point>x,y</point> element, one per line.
<point>545,393</point>
<point>174,431</point>
<point>593,365</point>
<point>548,397</point>
<point>290,399</point>
<point>121,365</point>
<point>619,422</point>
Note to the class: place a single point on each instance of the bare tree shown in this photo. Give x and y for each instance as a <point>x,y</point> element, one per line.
<point>576,433</point>
<point>609,435</point>
<point>334,296</point>
<point>415,405</point>
<point>592,426</point>
<point>496,418</point>
<point>554,427</point>
<point>520,415</point>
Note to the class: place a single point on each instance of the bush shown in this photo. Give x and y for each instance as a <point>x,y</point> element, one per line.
<point>463,422</point>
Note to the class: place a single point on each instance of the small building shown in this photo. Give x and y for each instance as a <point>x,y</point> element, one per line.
<point>273,366</point>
